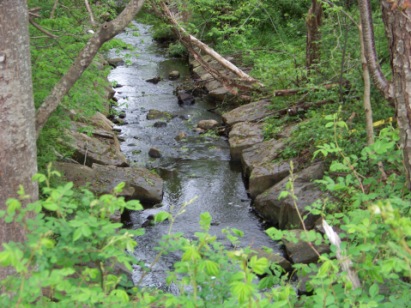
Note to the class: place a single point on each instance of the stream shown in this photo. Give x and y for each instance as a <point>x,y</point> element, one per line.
<point>196,171</point>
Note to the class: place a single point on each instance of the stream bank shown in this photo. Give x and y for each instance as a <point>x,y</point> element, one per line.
<point>204,171</point>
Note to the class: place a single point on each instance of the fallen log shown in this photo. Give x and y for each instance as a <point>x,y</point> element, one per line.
<point>208,50</point>
<point>289,92</point>
<point>244,82</point>
<point>298,108</point>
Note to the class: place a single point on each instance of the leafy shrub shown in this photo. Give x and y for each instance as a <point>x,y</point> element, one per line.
<point>72,249</point>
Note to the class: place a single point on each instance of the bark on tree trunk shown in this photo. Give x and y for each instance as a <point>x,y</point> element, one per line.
<point>18,161</point>
<point>83,60</point>
<point>397,23</point>
<point>313,21</point>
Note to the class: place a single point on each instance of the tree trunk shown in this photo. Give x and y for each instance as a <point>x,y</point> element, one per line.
<point>313,46</point>
<point>397,21</point>
<point>107,31</point>
<point>18,162</point>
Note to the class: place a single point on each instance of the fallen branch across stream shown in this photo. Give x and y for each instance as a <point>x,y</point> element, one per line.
<point>233,85</point>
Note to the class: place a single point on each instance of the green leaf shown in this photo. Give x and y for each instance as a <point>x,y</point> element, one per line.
<point>258,266</point>
<point>134,205</point>
<point>191,253</point>
<point>374,290</point>
<point>77,234</point>
<point>237,232</point>
<point>337,166</point>
<point>283,194</point>
<point>275,234</point>
<point>47,243</point>
<point>50,205</point>
<point>38,177</point>
<point>119,188</point>
<point>13,205</point>
<point>212,268</point>
<point>205,221</point>
<point>121,295</point>
<point>241,290</point>
<point>161,216</point>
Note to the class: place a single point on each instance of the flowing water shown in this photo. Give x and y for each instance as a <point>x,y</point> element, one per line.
<point>196,170</point>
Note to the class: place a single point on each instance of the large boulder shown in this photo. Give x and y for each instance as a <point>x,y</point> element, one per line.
<point>301,251</point>
<point>148,187</point>
<point>101,147</point>
<point>185,98</point>
<point>207,124</point>
<point>282,213</point>
<point>219,94</point>
<point>99,120</point>
<point>266,175</point>
<point>242,136</point>
<point>272,257</point>
<point>141,184</point>
<point>114,62</point>
<point>250,112</point>
<point>260,153</point>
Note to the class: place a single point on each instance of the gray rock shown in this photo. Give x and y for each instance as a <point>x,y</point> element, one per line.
<point>260,153</point>
<point>266,175</point>
<point>154,114</point>
<point>185,98</point>
<point>282,213</point>
<point>154,153</point>
<point>147,187</point>
<point>115,62</point>
<point>207,124</point>
<point>100,120</point>
<point>181,136</point>
<point>301,252</point>
<point>159,124</point>
<point>242,136</point>
<point>173,75</point>
<point>154,80</point>
<point>219,94</point>
<point>91,149</point>
<point>141,184</point>
<point>272,257</point>
<point>250,112</point>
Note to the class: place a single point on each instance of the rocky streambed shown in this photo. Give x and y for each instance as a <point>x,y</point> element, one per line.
<point>168,149</point>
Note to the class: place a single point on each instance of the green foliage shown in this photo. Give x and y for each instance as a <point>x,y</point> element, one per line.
<point>177,50</point>
<point>72,249</point>
<point>209,274</point>
<point>51,59</point>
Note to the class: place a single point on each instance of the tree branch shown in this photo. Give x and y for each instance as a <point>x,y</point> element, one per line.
<point>187,38</point>
<point>41,29</point>
<point>90,13</point>
<point>370,53</point>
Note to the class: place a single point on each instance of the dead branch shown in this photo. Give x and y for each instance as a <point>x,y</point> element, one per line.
<point>41,29</point>
<point>53,10</point>
<point>191,43</point>
<point>289,92</point>
<point>346,263</point>
<point>90,12</point>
